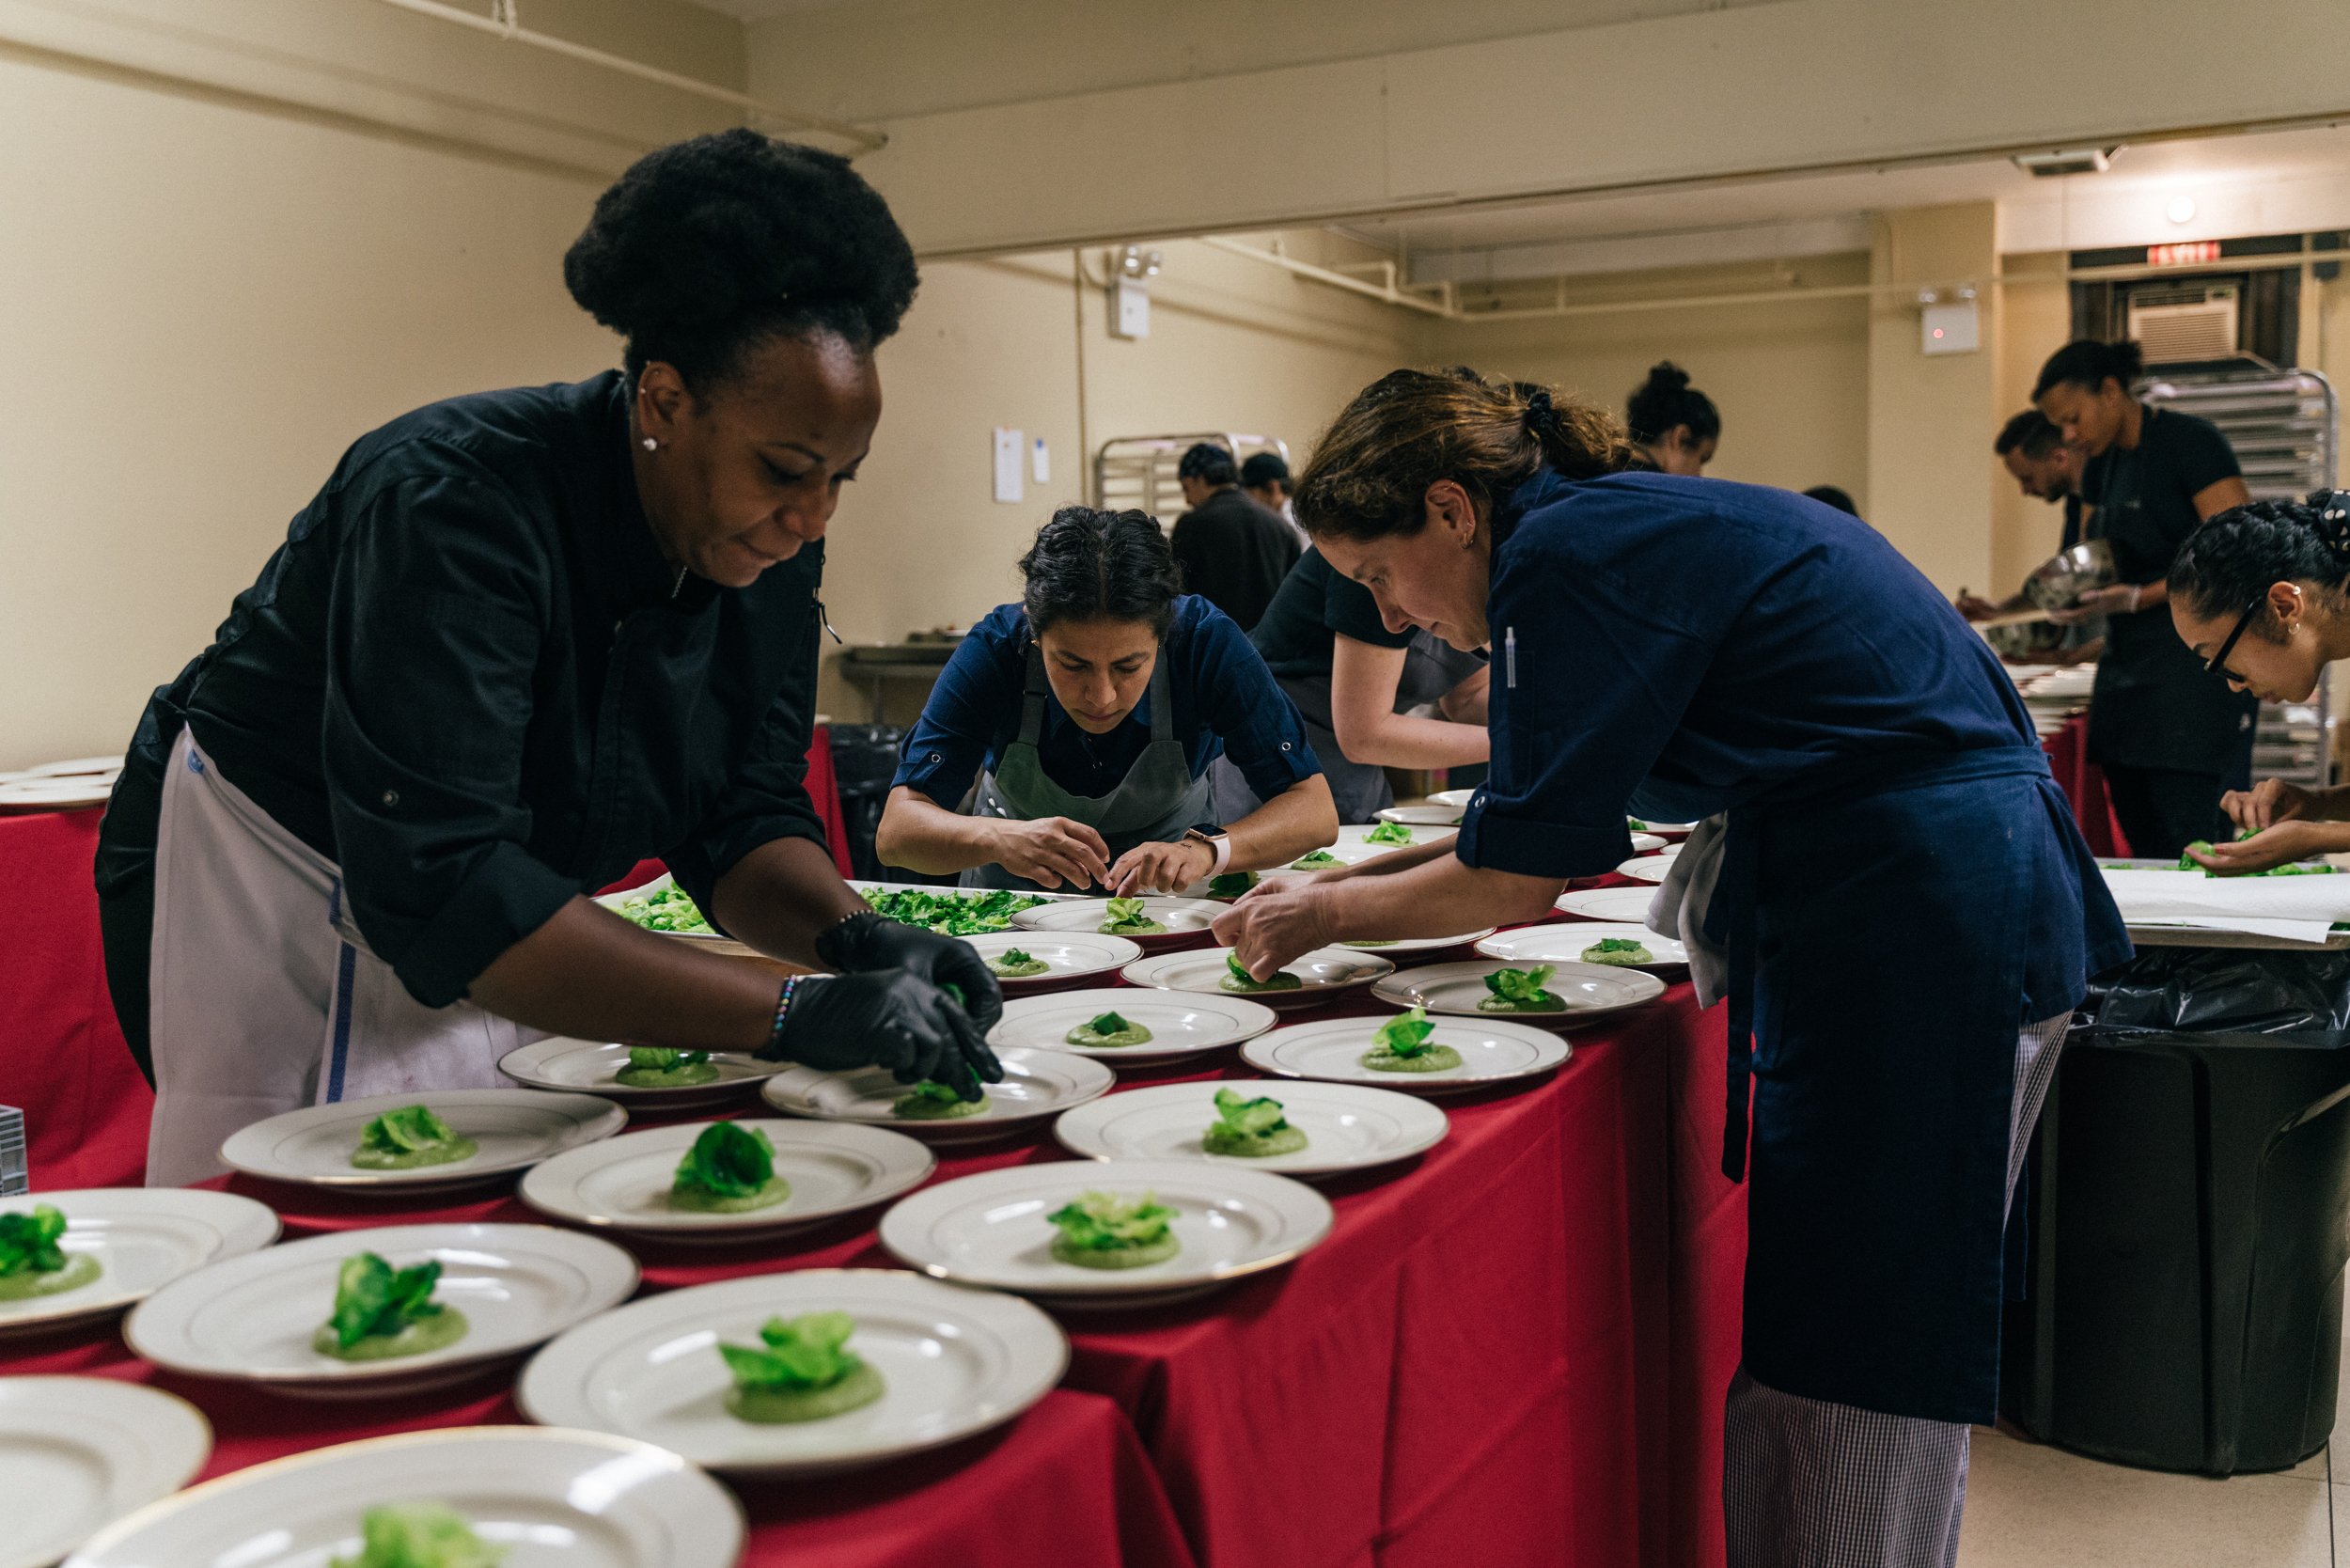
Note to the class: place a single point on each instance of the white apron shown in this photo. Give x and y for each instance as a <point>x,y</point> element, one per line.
<point>263,996</point>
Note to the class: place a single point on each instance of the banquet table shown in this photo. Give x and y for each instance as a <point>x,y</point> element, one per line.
<point>1518,1340</point>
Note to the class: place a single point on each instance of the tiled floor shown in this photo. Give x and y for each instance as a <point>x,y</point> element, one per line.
<point>2029,1506</point>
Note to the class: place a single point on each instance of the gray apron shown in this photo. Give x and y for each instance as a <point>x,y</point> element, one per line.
<point>1158,801</point>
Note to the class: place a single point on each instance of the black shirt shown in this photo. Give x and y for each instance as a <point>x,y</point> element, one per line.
<point>2153,705</point>
<point>1315,605</point>
<point>1234,554</point>
<point>470,679</point>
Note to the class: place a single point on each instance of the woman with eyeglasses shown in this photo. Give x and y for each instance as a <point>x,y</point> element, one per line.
<point>2169,738</point>
<point>1688,648</point>
<point>2261,595</point>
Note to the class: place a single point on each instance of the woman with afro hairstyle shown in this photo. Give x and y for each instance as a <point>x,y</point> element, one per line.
<point>519,641</point>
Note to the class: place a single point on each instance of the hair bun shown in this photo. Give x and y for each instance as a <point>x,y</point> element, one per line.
<point>1665,376</point>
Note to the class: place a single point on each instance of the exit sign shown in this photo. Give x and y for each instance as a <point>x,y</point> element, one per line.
<point>2192,253</point>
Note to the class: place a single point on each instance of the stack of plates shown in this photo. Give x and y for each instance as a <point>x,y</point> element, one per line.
<point>15,1166</point>
<point>67,785</point>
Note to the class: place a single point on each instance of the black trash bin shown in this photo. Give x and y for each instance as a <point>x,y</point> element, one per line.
<point>863,759</point>
<point>2190,1192</point>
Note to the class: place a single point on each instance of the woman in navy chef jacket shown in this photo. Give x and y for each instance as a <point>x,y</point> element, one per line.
<point>1680,648</point>
<point>1088,714</point>
<point>519,641</point>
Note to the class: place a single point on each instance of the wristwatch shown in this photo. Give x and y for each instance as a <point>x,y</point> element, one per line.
<point>1220,845</point>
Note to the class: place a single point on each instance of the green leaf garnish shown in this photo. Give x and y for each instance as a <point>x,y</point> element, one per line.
<point>1254,1118</point>
<point>1314,861</point>
<point>1232,885</point>
<point>28,1241</point>
<point>1614,944</point>
<point>728,1160</point>
<point>670,909</point>
<point>1127,912</point>
<point>373,1297</point>
<point>419,1535</point>
<point>1522,985</point>
<point>1635,824</point>
<point>2188,861</point>
<point>1388,832</point>
<point>660,1058</point>
<point>1109,1023</point>
<point>930,1088</point>
<point>1407,1036</point>
<point>412,1127</point>
<point>1102,1222</point>
<point>1016,956</point>
<point>801,1354</point>
<point>1240,971</point>
<point>954,913</point>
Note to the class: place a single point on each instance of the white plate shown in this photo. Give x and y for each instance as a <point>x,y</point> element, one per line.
<point>622,1183</point>
<point>1183,918</point>
<point>76,767</point>
<point>250,1319</point>
<point>589,1067</point>
<point>77,1454</point>
<point>515,1127</point>
<point>1036,1084</point>
<point>55,795</point>
<point>1650,868</point>
<point>1493,1051</point>
<point>1564,943</point>
<point>1346,1128</point>
<point>1179,1025</point>
<point>143,1238</point>
<point>1357,836</point>
<point>990,1228</point>
<point>1457,799</point>
<point>1329,973</point>
<point>953,1363</point>
<point>554,1499</point>
<point>1648,843</point>
<point>1416,944</point>
<point>1591,990</point>
<point>1433,814</point>
<point>1666,830</point>
<point>1071,956</point>
<point>1621,904</point>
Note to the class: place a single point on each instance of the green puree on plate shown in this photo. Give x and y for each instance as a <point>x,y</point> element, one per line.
<point>419,1535</point>
<point>1017,963</point>
<point>1252,1129</point>
<point>1617,951</point>
<point>1239,979</point>
<point>1521,991</point>
<point>31,1262</point>
<point>1126,918</point>
<point>730,1169</point>
<point>658,1067</point>
<point>1402,1045</point>
<point>801,1371</point>
<point>382,1313</point>
<point>932,1101</point>
<point>1110,1029</point>
<point>409,1139</point>
<point>1100,1229</point>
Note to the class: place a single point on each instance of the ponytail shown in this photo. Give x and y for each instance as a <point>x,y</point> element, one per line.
<point>1370,474</point>
<point>2089,365</point>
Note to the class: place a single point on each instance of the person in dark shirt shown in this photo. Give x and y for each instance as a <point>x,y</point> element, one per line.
<point>1088,714</point>
<point>2044,466</point>
<point>1233,553</point>
<point>1266,478</point>
<point>1675,428</point>
<point>519,641</point>
<point>2170,736</point>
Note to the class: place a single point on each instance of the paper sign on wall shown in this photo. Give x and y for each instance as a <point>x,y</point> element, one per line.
<point>1009,450</point>
<point>1041,468</point>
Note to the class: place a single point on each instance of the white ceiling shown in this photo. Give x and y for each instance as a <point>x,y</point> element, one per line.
<point>2270,182</point>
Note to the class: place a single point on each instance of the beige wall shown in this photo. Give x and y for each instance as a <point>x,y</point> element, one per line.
<point>1791,380</point>
<point>2035,320</point>
<point>207,299</point>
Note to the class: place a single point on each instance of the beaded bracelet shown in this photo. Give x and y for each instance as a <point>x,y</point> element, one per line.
<point>783,1011</point>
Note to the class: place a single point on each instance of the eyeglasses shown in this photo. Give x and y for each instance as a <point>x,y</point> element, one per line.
<point>2216,664</point>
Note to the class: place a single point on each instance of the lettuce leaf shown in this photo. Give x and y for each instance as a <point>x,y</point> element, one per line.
<point>373,1297</point>
<point>660,1058</point>
<point>28,1241</point>
<point>411,1128</point>
<point>728,1160</point>
<point>802,1352</point>
<point>1014,957</point>
<point>1314,861</point>
<point>1232,885</point>
<point>1255,1117</point>
<point>1406,1036</point>
<point>670,909</point>
<point>419,1535</point>
<point>953,913</point>
<point>930,1088</point>
<point>1614,944</point>
<point>1388,832</point>
<point>1522,985</point>
<point>1127,912</point>
<point>1103,1222</point>
<point>1109,1023</point>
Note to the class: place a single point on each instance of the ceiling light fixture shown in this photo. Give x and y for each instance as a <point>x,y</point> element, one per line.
<point>2180,210</point>
<point>2066,159</point>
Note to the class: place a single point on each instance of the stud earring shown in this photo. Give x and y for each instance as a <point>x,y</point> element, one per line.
<point>650,444</point>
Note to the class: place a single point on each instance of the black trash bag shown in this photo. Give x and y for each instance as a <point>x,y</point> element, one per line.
<point>864,760</point>
<point>2263,998</point>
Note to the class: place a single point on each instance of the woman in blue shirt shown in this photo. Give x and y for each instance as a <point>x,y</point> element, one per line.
<point>1901,911</point>
<point>1087,715</point>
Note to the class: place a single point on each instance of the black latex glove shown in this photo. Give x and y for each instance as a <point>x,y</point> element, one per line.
<point>867,942</point>
<point>888,1018</point>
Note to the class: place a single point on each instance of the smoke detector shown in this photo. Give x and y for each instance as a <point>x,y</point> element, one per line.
<point>2066,159</point>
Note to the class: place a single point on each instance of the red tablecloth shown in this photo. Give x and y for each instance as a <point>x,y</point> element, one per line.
<point>2085,783</point>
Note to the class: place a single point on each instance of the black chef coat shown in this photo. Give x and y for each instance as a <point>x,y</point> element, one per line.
<point>1234,554</point>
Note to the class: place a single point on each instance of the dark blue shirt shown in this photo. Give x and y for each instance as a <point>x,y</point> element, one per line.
<point>1677,646</point>
<point>1225,701</point>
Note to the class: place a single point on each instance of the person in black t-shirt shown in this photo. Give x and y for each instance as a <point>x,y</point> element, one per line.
<point>1233,552</point>
<point>2044,467</point>
<point>1353,679</point>
<point>1266,478</point>
<point>2170,736</point>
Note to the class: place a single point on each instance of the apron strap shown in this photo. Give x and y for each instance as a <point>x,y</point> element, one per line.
<point>1032,697</point>
<point>1161,698</point>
